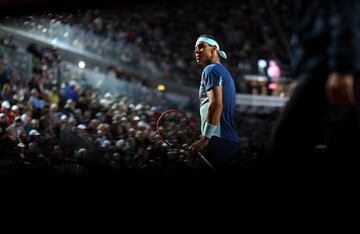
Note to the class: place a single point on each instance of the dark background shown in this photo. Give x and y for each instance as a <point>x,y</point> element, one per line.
<point>19,7</point>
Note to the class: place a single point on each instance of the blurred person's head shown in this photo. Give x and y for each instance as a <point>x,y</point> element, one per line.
<point>81,128</point>
<point>25,119</point>
<point>115,107</point>
<point>16,98</point>
<point>26,93</point>
<point>15,110</point>
<point>94,97</point>
<point>21,148</point>
<point>80,154</point>
<point>100,133</point>
<point>132,142</point>
<point>139,108</point>
<point>116,119</point>
<point>106,144</point>
<point>10,134</point>
<point>72,121</point>
<point>5,105</point>
<point>78,112</point>
<point>142,125</point>
<point>88,93</point>
<point>57,151</point>
<point>82,100</point>
<point>116,157</point>
<point>94,123</point>
<point>54,90</point>
<point>35,93</point>
<point>35,124</point>
<point>6,89</point>
<point>132,132</point>
<point>108,96</point>
<point>152,136</point>
<point>136,118</point>
<point>139,134</point>
<point>48,135</point>
<point>100,116</point>
<point>104,127</point>
<point>70,104</point>
<point>87,114</point>
<point>34,133</point>
<point>120,144</point>
<point>54,107</point>
<point>64,118</point>
<point>73,84</point>
<point>32,147</point>
<point>123,120</point>
<point>3,118</point>
<point>18,121</point>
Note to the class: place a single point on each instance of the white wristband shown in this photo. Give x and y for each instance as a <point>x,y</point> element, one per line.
<point>209,130</point>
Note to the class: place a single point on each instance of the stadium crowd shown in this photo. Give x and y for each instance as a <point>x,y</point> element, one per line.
<point>52,123</point>
<point>45,128</point>
<point>247,30</point>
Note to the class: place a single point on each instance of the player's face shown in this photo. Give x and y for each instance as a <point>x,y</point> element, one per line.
<point>202,53</point>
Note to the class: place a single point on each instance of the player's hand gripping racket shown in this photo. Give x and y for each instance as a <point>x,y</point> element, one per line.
<point>175,129</point>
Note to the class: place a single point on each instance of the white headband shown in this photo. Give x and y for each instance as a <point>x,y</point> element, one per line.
<point>212,43</point>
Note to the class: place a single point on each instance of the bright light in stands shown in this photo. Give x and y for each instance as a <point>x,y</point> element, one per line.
<point>66,34</point>
<point>273,69</point>
<point>262,63</point>
<point>82,64</point>
<point>54,41</point>
<point>273,86</point>
<point>261,78</point>
<point>161,87</point>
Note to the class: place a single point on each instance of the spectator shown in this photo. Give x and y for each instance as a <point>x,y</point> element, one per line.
<point>71,91</point>
<point>324,106</point>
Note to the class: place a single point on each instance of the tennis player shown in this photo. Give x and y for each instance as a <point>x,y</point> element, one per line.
<point>219,142</point>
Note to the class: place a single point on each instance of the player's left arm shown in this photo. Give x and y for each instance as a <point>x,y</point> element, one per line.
<point>215,105</point>
<point>212,118</point>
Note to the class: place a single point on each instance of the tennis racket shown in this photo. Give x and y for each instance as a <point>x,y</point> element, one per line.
<point>176,130</point>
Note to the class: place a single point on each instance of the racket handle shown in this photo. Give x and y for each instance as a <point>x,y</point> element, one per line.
<point>206,161</point>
